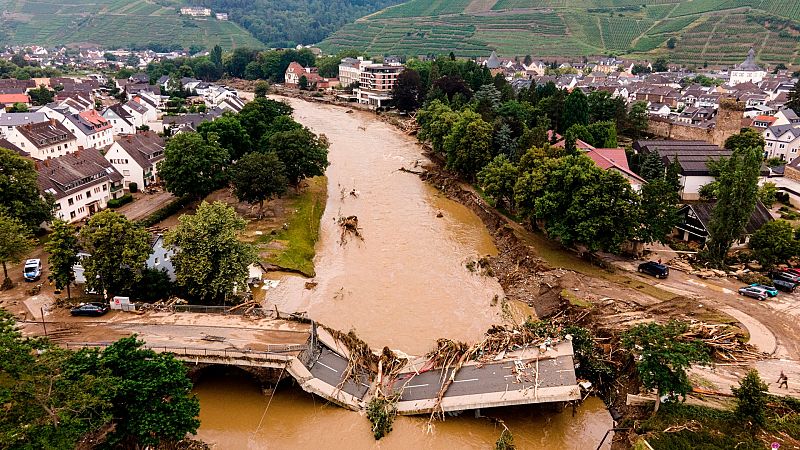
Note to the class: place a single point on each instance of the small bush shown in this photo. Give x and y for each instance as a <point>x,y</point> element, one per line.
<point>168,210</point>
<point>753,277</point>
<point>117,202</point>
<point>133,187</point>
<point>381,412</point>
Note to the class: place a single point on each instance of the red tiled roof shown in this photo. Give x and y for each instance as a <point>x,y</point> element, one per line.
<point>769,119</point>
<point>613,158</point>
<point>14,98</point>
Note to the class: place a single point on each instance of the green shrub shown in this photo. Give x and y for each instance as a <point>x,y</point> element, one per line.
<point>168,210</point>
<point>133,187</point>
<point>117,202</point>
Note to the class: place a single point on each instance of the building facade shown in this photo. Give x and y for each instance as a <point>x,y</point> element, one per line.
<point>376,82</point>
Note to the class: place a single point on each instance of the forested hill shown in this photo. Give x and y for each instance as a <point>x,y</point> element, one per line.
<point>286,23</point>
<point>685,31</point>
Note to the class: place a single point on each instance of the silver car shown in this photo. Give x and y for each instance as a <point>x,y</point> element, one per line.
<point>754,292</point>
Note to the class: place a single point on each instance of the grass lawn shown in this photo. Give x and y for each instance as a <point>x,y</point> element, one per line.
<point>293,247</point>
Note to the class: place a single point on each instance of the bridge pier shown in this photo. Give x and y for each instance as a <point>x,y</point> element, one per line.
<point>267,377</point>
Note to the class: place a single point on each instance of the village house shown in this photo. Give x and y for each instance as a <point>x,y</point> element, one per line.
<point>313,79</point>
<point>135,156</point>
<point>90,128</point>
<point>8,121</point>
<point>81,183</point>
<point>122,121</point>
<point>782,141</point>
<point>696,217</point>
<point>195,11</point>
<point>7,101</point>
<point>43,140</point>
<point>748,71</point>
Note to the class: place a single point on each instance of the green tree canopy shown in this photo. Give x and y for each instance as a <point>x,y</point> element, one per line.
<point>407,92</point>
<point>19,190</point>
<point>258,177</point>
<point>210,260</point>
<point>663,356</point>
<point>751,399</point>
<point>230,133</point>
<point>192,165</point>
<point>737,193</point>
<point>498,179</point>
<point>747,138</point>
<point>659,210</point>
<point>576,109</point>
<point>15,243</point>
<point>468,146</point>
<point>118,249</point>
<point>63,249</point>
<point>303,153</point>
<point>774,243</point>
<point>256,116</point>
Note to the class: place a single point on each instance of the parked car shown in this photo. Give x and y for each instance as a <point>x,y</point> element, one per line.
<point>792,270</point>
<point>32,270</point>
<point>655,269</point>
<point>754,292</point>
<point>787,276</point>
<point>93,309</point>
<point>784,285</point>
<point>770,290</point>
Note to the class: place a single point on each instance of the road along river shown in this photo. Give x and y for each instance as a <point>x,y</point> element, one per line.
<point>404,285</point>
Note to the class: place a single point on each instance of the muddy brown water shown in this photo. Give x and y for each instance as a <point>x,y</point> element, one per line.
<point>404,285</point>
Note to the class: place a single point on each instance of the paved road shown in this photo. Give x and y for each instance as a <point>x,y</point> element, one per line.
<point>496,377</point>
<point>145,204</point>
<point>329,367</point>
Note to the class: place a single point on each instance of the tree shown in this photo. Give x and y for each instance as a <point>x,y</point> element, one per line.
<point>498,179</point>
<point>303,153</point>
<point>258,177</point>
<point>774,243</point>
<point>210,260</point>
<point>663,355</point>
<point>576,109</point>
<point>638,119</point>
<point>435,121</point>
<point>118,249</point>
<point>302,83</point>
<point>15,243</point>
<point>216,56</point>
<point>737,194</point>
<point>41,95</point>
<point>751,399</point>
<point>153,404</point>
<point>256,116</point>
<point>651,167</point>
<point>660,65</point>
<point>768,194</point>
<point>230,134</point>
<point>407,90</point>
<point>671,43</point>
<point>63,249</point>
<point>468,145</point>
<point>261,89</point>
<point>746,138</point>
<point>659,210</point>
<point>448,87</point>
<point>793,101</point>
<point>19,108</point>
<point>193,166</point>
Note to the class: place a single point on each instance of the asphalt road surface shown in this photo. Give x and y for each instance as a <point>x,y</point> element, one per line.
<point>329,367</point>
<point>495,377</point>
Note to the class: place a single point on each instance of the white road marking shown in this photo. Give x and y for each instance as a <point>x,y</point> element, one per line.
<point>464,381</point>
<point>415,385</point>
<point>327,366</point>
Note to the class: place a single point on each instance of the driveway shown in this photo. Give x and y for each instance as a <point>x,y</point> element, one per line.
<point>145,204</point>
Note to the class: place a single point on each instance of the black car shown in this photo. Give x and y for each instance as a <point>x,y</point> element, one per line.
<point>655,269</point>
<point>786,276</point>
<point>784,285</point>
<point>90,309</point>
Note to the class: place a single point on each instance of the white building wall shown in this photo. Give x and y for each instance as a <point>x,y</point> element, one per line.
<point>692,184</point>
<point>127,166</point>
<point>75,207</point>
<point>50,151</point>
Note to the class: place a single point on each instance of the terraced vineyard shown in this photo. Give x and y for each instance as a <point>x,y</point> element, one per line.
<point>113,23</point>
<point>717,32</point>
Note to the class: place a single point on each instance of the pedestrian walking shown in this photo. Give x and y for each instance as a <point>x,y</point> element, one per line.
<point>783,381</point>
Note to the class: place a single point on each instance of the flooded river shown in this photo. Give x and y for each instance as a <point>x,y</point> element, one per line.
<point>404,285</point>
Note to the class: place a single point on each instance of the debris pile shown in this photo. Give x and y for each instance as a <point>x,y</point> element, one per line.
<point>723,342</point>
<point>362,361</point>
<point>349,225</point>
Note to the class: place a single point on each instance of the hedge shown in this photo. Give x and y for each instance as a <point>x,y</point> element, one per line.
<point>168,210</point>
<point>117,202</point>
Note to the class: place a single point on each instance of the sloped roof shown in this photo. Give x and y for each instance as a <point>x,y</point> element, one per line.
<point>45,134</point>
<point>142,146</point>
<point>749,63</point>
<point>704,210</point>
<point>69,173</point>
<point>493,62</point>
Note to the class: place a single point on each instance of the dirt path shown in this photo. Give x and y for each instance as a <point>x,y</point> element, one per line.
<point>479,6</point>
<point>145,204</point>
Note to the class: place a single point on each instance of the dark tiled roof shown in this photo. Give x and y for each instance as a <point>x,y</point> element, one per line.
<point>45,134</point>
<point>760,215</point>
<point>9,146</point>
<point>142,146</point>
<point>72,172</point>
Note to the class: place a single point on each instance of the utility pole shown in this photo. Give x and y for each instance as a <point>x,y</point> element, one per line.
<point>41,309</point>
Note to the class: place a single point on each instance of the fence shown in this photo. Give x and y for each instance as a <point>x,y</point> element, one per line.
<point>272,350</point>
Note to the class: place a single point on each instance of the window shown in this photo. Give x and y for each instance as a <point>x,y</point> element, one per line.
<point>72,215</point>
<point>70,202</point>
<point>782,146</point>
<point>156,261</point>
<point>105,187</point>
<point>88,194</point>
<point>126,173</point>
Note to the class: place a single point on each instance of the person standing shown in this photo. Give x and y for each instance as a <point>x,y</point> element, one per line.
<point>783,381</point>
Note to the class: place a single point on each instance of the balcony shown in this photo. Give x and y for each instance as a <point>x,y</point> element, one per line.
<point>115,188</point>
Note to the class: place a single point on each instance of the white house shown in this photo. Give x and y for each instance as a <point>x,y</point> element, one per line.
<point>786,116</point>
<point>161,257</point>
<point>139,113</point>
<point>90,128</point>
<point>748,71</point>
<point>121,120</point>
<point>82,183</point>
<point>782,141</point>
<point>44,139</point>
<point>9,121</point>
<point>135,156</point>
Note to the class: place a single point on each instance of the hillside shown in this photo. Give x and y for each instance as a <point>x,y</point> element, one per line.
<point>113,23</point>
<point>286,23</point>
<point>706,31</point>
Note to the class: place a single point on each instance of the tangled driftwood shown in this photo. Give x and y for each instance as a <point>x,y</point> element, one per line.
<point>349,225</point>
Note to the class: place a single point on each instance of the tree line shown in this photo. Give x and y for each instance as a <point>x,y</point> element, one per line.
<point>123,396</point>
